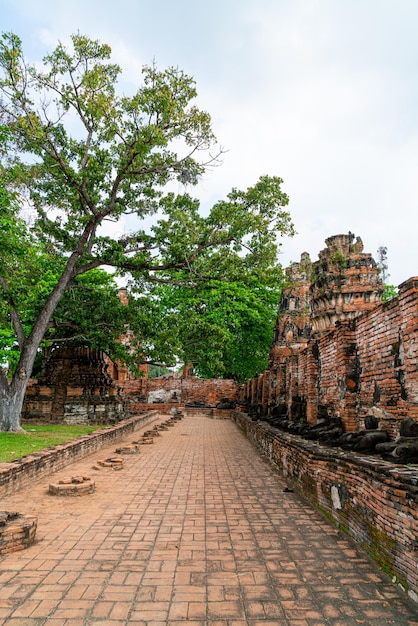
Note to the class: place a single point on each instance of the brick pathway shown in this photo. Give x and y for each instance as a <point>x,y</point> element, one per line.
<point>195,530</point>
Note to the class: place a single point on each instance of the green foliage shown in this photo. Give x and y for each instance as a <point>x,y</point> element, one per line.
<point>338,258</point>
<point>231,330</point>
<point>26,275</point>
<point>89,313</point>
<point>224,328</point>
<point>389,292</point>
<point>82,157</point>
<point>154,371</point>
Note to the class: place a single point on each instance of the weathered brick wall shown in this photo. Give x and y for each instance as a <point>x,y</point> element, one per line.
<point>109,405</point>
<point>377,334</point>
<point>366,365</point>
<point>76,386</point>
<point>308,374</point>
<point>372,500</point>
<point>187,390</point>
<point>335,380</point>
<point>19,473</point>
<point>71,405</point>
<point>387,340</point>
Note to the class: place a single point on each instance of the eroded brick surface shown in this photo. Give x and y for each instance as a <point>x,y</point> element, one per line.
<point>343,371</point>
<point>338,351</point>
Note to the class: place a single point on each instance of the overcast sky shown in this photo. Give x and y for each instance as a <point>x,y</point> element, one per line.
<point>323,93</point>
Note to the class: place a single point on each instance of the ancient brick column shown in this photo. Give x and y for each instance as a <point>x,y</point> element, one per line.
<point>345,282</point>
<point>291,333</point>
<point>312,375</point>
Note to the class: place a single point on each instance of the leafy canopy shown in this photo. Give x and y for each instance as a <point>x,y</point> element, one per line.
<point>89,313</point>
<point>87,161</point>
<point>223,328</point>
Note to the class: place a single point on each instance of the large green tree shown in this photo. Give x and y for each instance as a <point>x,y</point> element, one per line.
<point>81,156</point>
<point>89,313</point>
<point>222,325</point>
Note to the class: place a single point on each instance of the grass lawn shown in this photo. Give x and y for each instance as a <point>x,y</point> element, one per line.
<point>15,445</point>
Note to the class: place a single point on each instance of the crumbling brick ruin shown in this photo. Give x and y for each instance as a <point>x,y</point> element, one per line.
<point>342,371</point>
<point>343,363</point>
<point>83,386</point>
<point>77,385</point>
<point>337,409</point>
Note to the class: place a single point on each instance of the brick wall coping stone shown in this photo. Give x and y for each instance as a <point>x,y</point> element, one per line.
<point>21,472</point>
<point>372,500</point>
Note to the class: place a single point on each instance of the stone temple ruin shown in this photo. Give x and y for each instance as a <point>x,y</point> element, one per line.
<point>343,364</point>
<point>336,410</point>
<point>342,368</point>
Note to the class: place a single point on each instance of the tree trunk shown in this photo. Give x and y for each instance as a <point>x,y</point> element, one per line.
<point>12,394</point>
<point>11,402</point>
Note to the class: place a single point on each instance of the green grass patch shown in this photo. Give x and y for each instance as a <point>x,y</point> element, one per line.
<point>37,437</point>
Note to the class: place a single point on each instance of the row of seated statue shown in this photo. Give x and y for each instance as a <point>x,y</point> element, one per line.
<point>370,440</point>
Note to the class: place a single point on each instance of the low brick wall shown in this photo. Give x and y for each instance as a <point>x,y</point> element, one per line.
<point>136,408</point>
<point>22,472</point>
<point>186,390</point>
<point>217,414</point>
<point>372,500</point>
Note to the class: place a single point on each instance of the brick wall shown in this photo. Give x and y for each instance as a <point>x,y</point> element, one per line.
<point>71,405</point>
<point>19,473</point>
<point>367,365</point>
<point>183,390</point>
<point>387,340</point>
<point>107,405</point>
<point>371,500</point>
<point>76,387</point>
<point>338,352</point>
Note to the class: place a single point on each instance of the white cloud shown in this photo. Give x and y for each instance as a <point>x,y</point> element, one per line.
<point>320,92</point>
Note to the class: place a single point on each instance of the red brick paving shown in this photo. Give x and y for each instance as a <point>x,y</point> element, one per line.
<point>196,530</point>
